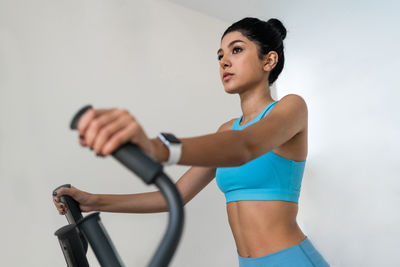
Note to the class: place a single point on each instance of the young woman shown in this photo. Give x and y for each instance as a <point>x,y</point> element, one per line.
<point>258,159</point>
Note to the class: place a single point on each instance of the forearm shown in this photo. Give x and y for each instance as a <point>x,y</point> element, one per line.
<point>222,149</point>
<point>150,202</point>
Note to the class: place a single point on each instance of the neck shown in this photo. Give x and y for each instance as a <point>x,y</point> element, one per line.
<point>253,101</point>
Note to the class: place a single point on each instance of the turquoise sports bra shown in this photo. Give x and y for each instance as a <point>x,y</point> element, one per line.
<point>268,177</point>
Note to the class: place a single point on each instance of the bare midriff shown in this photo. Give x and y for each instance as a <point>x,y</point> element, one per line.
<point>264,227</point>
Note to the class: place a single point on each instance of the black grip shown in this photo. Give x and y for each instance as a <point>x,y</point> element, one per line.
<point>129,155</point>
<point>135,160</point>
<point>74,213</point>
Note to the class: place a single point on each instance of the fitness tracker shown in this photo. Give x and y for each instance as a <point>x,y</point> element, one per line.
<point>174,147</point>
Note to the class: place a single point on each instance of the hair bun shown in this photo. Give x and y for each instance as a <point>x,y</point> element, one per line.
<point>277,24</point>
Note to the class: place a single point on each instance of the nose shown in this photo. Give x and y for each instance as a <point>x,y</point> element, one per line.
<point>224,62</point>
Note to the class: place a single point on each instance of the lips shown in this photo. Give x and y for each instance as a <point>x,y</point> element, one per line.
<point>227,76</point>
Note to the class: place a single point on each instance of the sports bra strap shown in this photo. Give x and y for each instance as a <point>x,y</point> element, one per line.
<point>268,109</point>
<point>263,113</point>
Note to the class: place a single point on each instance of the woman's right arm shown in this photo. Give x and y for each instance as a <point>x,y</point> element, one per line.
<point>189,185</point>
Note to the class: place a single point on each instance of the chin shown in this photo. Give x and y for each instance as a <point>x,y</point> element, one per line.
<point>231,90</point>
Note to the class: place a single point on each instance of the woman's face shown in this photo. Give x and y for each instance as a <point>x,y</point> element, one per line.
<point>238,56</point>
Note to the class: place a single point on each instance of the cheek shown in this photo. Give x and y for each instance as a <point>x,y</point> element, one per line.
<point>250,68</point>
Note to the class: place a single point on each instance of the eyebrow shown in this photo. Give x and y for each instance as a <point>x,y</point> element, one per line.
<point>230,44</point>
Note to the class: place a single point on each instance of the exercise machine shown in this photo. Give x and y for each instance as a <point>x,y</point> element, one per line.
<point>81,231</point>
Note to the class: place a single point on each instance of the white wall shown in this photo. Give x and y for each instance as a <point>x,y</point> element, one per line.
<point>158,60</point>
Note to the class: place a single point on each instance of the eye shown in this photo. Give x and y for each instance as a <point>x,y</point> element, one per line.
<point>236,49</point>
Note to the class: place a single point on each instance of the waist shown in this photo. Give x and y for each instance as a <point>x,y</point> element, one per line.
<point>261,227</point>
<point>266,215</point>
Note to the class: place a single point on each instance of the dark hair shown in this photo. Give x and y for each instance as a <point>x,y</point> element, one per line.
<point>268,36</point>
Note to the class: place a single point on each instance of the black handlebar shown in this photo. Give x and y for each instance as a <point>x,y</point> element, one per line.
<point>151,172</point>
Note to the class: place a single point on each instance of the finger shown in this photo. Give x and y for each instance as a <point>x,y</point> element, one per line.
<point>63,212</point>
<point>56,201</point>
<point>64,207</point>
<point>98,123</point>
<point>82,141</point>
<point>108,131</point>
<point>60,207</point>
<point>68,191</point>
<point>86,118</point>
<point>57,204</point>
<point>120,138</point>
<point>62,191</point>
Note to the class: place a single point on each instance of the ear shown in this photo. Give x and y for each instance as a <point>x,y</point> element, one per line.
<point>270,60</point>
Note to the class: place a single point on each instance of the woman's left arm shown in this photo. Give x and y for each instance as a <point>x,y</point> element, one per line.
<point>234,148</point>
<point>104,130</point>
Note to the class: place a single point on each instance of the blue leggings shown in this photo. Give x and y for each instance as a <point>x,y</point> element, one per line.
<point>303,254</point>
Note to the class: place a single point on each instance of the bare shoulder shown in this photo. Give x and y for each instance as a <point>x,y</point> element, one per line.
<point>226,126</point>
<point>292,110</point>
<point>293,102</point>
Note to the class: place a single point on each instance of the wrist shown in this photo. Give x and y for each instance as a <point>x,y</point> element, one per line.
<point>161,152</point>
<point>97,202</point>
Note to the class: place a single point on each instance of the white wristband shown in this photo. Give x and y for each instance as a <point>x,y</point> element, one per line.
<point>175,151</point>
<point>175,148</point>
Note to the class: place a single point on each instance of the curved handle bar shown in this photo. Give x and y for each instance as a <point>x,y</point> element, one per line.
<point>151,172</point>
